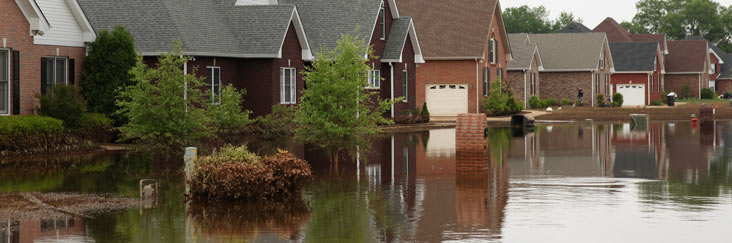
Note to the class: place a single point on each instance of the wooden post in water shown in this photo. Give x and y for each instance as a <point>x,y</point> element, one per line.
<point>190,156</point>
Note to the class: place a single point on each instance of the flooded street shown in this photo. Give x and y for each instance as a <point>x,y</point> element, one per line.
<point>605,182</point>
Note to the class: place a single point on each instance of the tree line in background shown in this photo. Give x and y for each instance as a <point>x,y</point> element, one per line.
<point>678,19</point>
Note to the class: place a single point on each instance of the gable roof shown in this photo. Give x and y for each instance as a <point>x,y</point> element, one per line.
<point>450,29</point>
<point>326,20</point>
<point>660,38</point>
<point>524,56</point>
<point>38,21</point>
<point>615,32</point>
<point>634,56</point>
<point>726,65</point>
<point>686,56</point>
<point>397,38</point>
<point>215,28</point>
<point>574,27</point>
<point>570,51</point>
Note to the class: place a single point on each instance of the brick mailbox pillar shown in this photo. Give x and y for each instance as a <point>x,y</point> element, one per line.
<point>706,114</point>
<point>471,152</point>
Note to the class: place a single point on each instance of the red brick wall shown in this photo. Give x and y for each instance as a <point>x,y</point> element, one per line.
<point>406,64</point>
<point>291,57</point>
<point>518,81</point>
<point>675,82</point>
<point>723,86</point>
<point>501,61</point>
<point>559,85</point>
<point>15,29</point>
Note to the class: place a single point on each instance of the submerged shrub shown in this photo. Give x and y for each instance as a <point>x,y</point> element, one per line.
<point>63,103</point>
<point>278,125</point>
<point>277,177</point>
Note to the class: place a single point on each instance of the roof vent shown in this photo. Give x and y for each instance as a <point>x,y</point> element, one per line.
<point>256,2</point>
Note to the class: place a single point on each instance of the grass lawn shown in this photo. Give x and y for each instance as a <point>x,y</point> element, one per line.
<point>699,101</point>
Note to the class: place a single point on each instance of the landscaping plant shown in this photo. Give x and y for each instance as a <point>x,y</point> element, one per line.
<point>566,102</point>
<point>708,94</point>
<point>63,103</point>
<point>617,100</point>
<point>106,71</point>
<point>337,113</point>
<point>159,116</point>
<point>226,115</point>
<point>600,100</point>
<point>425,114</point>
<point>686,91</point>
<point>500,102</point>
<point>534,102</point>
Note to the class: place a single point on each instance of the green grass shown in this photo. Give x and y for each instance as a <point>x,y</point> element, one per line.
<point>698,101</point>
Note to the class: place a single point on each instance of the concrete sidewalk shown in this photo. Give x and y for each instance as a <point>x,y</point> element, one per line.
<point>500,119</point>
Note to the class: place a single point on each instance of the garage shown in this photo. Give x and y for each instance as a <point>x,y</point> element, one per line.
<point>633,94</point>
<point>447,99</point>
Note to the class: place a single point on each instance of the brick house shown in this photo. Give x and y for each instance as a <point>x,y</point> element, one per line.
<point>262,53</point>
<point>380,23</point>
<point>465,47</point>
<point>688,63</point>
<point>42,43</point>
<point>522,73</point>
<point>638,73</point>
<point>574,61</point>
<point>716,58</point>
<point>723,82</point>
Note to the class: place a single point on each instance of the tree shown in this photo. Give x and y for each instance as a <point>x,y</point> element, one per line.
<point>565,18</point>
<point>159,116</point>
<point>650,14</point>
<point>106,71</point>
<point>633,28</point>
<point>337,113</point>
<point>525,19</point>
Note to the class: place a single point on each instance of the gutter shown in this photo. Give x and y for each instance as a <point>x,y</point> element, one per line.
<point>477,81</point>
<point>391,65</point>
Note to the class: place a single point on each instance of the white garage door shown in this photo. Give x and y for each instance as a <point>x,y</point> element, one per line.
<point>633,94</point>
<point>447,99</point>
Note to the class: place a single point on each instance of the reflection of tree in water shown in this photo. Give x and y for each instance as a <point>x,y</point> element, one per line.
<point>343,213</point>
<point>247,220</point>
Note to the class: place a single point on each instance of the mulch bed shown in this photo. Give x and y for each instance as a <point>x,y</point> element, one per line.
<point>682,112</point>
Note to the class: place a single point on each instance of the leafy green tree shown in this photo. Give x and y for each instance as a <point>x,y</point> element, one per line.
<point>160,118</point>
<point>650,14</point>
<point>227,115</point>
<point>501,101</point>
<point>564,19</point>
<point>337,113</point>
<point>106,71</point>
<point>633,27</point>
<point>525,19</point>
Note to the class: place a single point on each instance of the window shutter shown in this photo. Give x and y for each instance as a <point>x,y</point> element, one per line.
<point>72,72</point>
<point>16,82</point>
<point>44,67</point>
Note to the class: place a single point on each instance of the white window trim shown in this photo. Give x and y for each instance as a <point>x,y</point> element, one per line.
<point>371,77</point>
<point>213,95</point>
<point>9,82</point>
<point>293,86</point>
<point>382,25</point>
<point>405,86</point>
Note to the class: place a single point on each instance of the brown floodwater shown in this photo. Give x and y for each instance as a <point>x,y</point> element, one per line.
<point>667,182</point>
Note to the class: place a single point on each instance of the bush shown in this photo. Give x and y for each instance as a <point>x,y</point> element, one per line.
<point>230,154</point>
<point>600,100</point>
<point>664,96</point>
<point>106,71</point>
<point>617,100</point>
<point>63,103</point>
<point>686,91</point>
<point>411,116</point>
<point>227,116</point>
<point>91,120</point>
<point>29,124</point>
<point>707,94</point>
<point>425,115</point>
<point>656,103</point>
<point>44,142</point>
<point>278,177</point>
<point>566,102</point>
<point>278,125</point>
<point>501,102</point>
<point>552,102</point>
<point>534,102</point>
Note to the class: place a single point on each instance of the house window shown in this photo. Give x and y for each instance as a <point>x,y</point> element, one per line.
<point>533,83</point>
<point>486,84</point>
<point>4,82</point>
<point>597,83</point>
<point>55,72</point>
<point>662,84</point>
<point>653,79</point>
<point>499,77</point>
<point>374,79</point>
<point>602,60</point>
<point>287,85</point>
<point>492,50</point>
<point>214,82</point>
<point>405,86</point>
<point>607,83</point>
<point>382,20</point>
<point>714,69</point>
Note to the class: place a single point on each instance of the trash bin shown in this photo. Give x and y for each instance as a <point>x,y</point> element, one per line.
<point>671,99</point>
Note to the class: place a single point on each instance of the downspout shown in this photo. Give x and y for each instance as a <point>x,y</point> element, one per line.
<point>526,93</point>
<point>648,90</point>
<point>477,81</point>
<point>700,85</point>
<point>185,83</point>
<point>392,89</point>
<point>592,86</point>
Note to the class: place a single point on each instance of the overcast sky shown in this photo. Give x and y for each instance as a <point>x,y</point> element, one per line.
<point>591,11</point>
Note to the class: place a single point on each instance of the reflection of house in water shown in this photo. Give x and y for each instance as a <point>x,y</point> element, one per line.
<point>690,151</point>
<point>639,154</point>
<point>48,230</point>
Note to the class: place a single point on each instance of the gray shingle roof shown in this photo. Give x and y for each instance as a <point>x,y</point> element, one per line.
<point>634,56</point>
<point>518,38</point>
<point>574,27</point>
<point>573,51</point>
<point>726,72</point>
<point>214,27</point>
<point>523,54</point>
<point>397,38</point>
<point>326,20</point>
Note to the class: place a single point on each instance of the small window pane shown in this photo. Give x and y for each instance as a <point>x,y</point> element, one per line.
<point>288,84</point>
<point>4,84</point>
<point>4,66</point>
<point>60,71</point>
<point>405,86</point>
